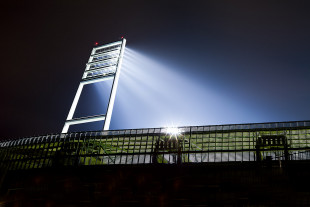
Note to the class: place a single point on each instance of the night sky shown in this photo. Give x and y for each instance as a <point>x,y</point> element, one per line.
<point>233,61</point>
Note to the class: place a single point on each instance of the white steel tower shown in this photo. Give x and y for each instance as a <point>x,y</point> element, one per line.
<point>104,64</point>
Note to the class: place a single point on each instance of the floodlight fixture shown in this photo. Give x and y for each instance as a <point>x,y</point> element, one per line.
<point>104,64</point>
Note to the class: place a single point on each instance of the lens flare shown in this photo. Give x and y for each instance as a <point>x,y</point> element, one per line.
<point>173,131</point>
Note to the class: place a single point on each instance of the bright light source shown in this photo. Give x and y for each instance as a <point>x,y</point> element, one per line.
<point>173,131</point>
<point>96,43</point>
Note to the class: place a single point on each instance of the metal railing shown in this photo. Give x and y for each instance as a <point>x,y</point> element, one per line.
<point>194,144</point>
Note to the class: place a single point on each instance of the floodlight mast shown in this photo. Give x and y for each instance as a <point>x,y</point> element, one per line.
<point>104,64</point>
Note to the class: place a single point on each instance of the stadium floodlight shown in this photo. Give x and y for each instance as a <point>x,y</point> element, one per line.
<point>104,64</point>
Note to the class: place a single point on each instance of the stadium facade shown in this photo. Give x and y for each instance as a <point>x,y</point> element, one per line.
<point>277,142</point>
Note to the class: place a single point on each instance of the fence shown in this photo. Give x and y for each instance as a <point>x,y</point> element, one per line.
<point>194,144</point>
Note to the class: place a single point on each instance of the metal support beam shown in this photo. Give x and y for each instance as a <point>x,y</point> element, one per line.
<point>114,87</point>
